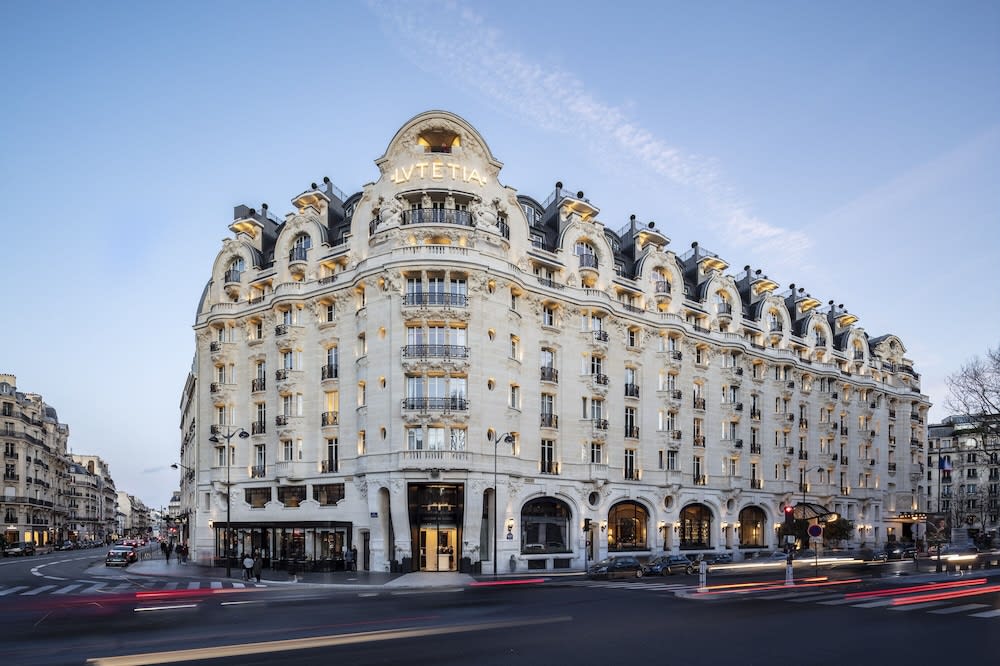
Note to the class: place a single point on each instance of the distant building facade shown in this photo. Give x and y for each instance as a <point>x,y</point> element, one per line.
<point>964,478</point>
<point>97,497</point>
<point>32,503</point>
<point>447,374</point>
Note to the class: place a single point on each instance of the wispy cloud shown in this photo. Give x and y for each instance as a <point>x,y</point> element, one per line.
<point>561,102</point>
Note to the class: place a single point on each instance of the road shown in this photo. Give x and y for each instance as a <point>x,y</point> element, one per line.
<point>843,619</point>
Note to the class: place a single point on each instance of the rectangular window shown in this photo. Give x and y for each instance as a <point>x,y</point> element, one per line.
<point>547,457</point>
<point>332,462</point>
<point>515,396</point>
<point>415,439</point>
<point>672,460</point>
<point>328,494</point>
<point>596,453</point>
<point>257,497</point>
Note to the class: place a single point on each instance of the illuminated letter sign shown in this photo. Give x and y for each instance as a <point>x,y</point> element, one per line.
<point>437,171</point>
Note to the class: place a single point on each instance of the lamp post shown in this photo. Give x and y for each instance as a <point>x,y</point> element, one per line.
<point>230,433</point>
<point>508,439</point>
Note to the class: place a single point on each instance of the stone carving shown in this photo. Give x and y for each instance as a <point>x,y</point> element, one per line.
<point>362,485</point>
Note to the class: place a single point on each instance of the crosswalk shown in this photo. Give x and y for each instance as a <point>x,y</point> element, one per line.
<point>86,588</point>
<point>631,585</point>
<point>895,603</point>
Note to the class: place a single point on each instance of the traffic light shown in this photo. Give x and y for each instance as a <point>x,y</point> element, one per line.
<point>586,524</point>
<point>789,517</point>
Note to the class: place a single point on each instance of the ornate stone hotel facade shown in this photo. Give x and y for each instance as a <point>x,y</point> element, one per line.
<point>370,367</point>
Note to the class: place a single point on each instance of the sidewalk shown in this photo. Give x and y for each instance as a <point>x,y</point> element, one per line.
<point>155,565</point>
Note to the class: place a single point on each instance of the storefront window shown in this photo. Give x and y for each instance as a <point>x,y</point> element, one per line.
<point>545,526</point>
<point>627,527</point>
<point>752,521</point>
<point>696,527</point>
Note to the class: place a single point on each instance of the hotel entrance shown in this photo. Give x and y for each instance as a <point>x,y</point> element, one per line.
<point>437,548</point>
<point>436,518</point>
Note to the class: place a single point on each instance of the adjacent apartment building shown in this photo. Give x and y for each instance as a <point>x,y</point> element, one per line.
<point>446,374</point>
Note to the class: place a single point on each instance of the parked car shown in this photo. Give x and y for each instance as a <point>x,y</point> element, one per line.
<point>19,548</point>
<point>66,545</point>
<point>622,566</point>
<point>118,557</point>
<point>721,558</point>
<point>666,565</point>
<point>900,551</point>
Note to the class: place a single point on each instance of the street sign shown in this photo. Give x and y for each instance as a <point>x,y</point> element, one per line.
<point>815,531</point>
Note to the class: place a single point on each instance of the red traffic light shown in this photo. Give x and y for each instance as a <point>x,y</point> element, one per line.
<point>789,510</point>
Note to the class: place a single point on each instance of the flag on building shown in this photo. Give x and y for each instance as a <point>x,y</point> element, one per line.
<point>944,463</point>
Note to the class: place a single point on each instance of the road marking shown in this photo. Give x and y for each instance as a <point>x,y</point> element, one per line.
<point>958,609</point>
<point>873,604</point>
<point>920,606</point>
<point>222,651</point>
<point>96,587</point>
<point>68,588</point>
<point>13,590</point>
<point>216,585</point>
<point>989,613</point>
<point>194,585</point>
<point>144,609</point>
<point>38,590</point>
<point>171,586</point>
<point>238,586</point>
<point>838,602</point>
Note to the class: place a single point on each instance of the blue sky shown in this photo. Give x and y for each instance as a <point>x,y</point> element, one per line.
<point>850,148</point>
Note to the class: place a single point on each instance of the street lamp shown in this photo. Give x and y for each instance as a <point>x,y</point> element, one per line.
<point>230,433</point>
<point>508,439</point>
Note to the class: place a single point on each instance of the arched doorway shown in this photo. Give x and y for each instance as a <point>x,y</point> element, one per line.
<point>627,527</point>
<point>696,527</point>
<point>752,530</point>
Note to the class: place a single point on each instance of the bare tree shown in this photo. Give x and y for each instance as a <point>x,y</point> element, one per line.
<point>974,392</point>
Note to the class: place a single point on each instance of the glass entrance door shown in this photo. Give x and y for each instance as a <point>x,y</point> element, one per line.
<point>438,548</point>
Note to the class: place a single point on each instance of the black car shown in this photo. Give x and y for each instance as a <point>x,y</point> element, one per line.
<point>19,548</point>
<point>119,556</point>
<point>622,566</point>
<point>665,565</point>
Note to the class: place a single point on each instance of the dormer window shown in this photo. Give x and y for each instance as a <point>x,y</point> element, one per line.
<point>236,267</point>
<point>438,141</point>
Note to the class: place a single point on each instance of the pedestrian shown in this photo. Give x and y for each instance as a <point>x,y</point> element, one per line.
<point>354,558</point>
<point>349,560</point>
<point>163,549</point>
<point>170,548</point>
<point>247,566</point>
<point>258,564</point>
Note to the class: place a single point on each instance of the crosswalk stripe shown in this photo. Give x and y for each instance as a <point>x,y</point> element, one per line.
<point>958,609</point>
<point>38,590</point>
<point>920,606</point>
<point>68,588</point>
<point>838,602</point>
<point>778,596</point>
<point>873,604</point>
<point>194,585</point>
<point>989,613</point>
<point>239,586</point>
<point>96,587</point>
<point>216,585</point>
<point>13,590</point>
<point>121,587</point>
<point>170,586</point>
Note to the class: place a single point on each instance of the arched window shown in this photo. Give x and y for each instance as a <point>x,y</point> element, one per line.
<point>588,257</point>
<point>722,304</point>
<point>752,524</point>
<point>235,269</point>
<point>696,527</point>
<point>545,526</point>
<point>627,527</point>
<point>300,248</point>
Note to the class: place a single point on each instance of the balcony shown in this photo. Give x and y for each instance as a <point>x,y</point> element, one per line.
<point>588,262</point>
<point>258,471</point>
<point>435,298</point>
<point>892,467</point>
<point>436,404</point>
<point>297,258</point>
<point>549,420</point>
<point>674,356</point>
<point>431,459</point>
<point>757,484</point>
<point>632,474</point>
<point>724,310</point>
<point>676,394</point>
<point>549,374</point>
<point>258,385</point>
<point>600,424</point>
<point>601,336</point>
<point>462,218</point>
<point>329,371</point>
<point>258,428</point>
<point>845,490</point>
<point>435,351</point>
<point>699,440</point>
<point>282,419</point>
<point>281,329</point>
<point>601,380</point>
<point>803,455</point>
<point>755,448</point>
<point>661,292</point>
<point>329,466</point>
<point>330,418</point>
<point>632,433</point>
<point>699,403</point>
<point>548,467</point>
<point>676,435</point>
<point>755,414</point>
<point>701,479</point>
<point>631,390</point>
